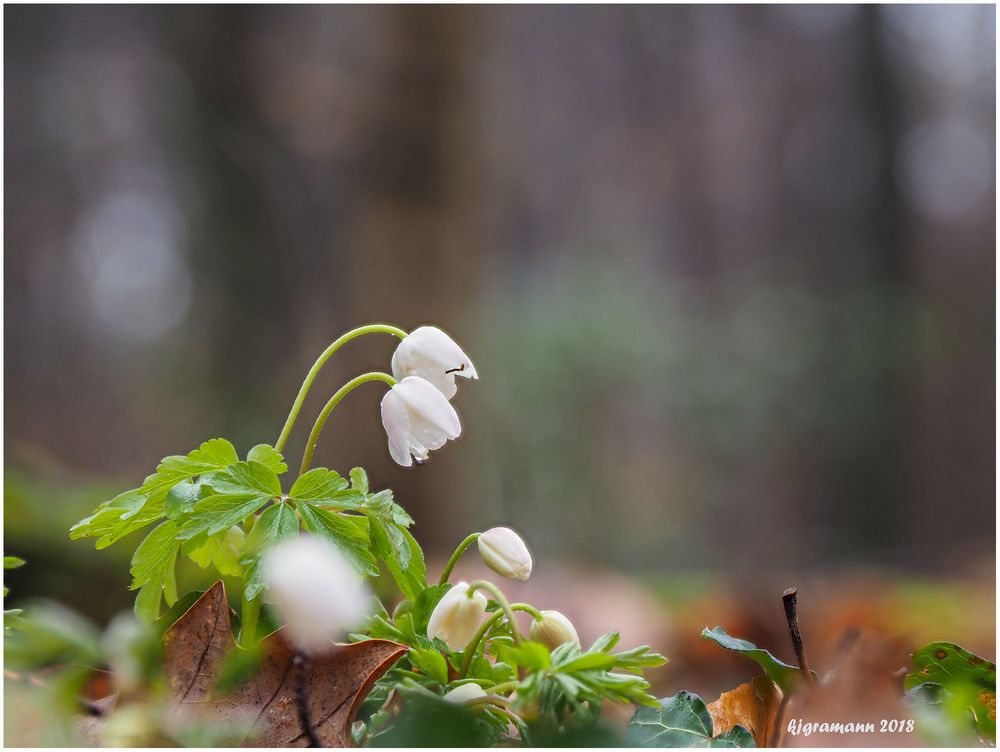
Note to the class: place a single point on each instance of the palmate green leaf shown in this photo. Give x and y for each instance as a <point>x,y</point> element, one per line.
<point>269,457</point>
<point>784,675</point>
<point>247,477</point>
<point>348,533</point>
<point>431,662</point>
<point>219,512</point>
<point>322,487</point>
<point>153,570</point>
<point>222,550</point>
<point>394,549</point>
<point>274,524</point>
<point>681,721</point>
<point>137,508</point>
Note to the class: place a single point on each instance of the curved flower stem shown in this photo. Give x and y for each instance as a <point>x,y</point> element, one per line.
<point>334,400</point>
<point>473,645</point>
<point>325,356</point>
<point>456,556</point>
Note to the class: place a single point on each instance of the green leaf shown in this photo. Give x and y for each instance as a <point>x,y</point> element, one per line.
<point>784,675</point>
<point>349,534</point>
<point>322,487</point>
<point>219,512</point>
<point>269,457</point>
<point>135,509</point>
<point>968,682</point>
<point>276,523</point>
<point>359,480</point>
<point>222,550</point>
<point>681,721</point>
<point>253,580</point>
<point>153,570</point>
<point>432,663</point>
<point>411,578</point>
<point>530,655</point>
<point>12,562</point>
<point>246,477</point>
<point>180,499</point>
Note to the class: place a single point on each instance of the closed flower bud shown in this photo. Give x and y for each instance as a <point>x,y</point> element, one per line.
<point>417,419</point>
<point>504,552</point>
<point>316,591</point>
<point>464,693</point>
<point>431,354</point>
<point>457,616</point>
<point>553,629</point>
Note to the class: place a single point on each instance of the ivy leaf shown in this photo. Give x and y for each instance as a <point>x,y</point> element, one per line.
<point>322,487</point>
<point>153,570</point>
<point>958,679</point>
<point>784,675</point>
<point>681,721</point>
<point>411,577</point>
<point>349,534</point>
<point>269,457</point>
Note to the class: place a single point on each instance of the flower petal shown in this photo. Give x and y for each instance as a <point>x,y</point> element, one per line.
<point>396,421</point>
<point>429,406</point>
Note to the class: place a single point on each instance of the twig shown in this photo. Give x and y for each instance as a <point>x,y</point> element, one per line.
<point>789,598</point>
<point>302,699</point>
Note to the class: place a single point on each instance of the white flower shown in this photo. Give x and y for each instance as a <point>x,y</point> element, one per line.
<point>417,418</point>
<point>431,354</point>
<point>318,594</point>
<point>457,616</point>
<point>464,693</point>
<point>553,629</point>
<point>505,553</point>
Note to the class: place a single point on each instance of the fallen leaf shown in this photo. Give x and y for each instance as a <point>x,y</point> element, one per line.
<point>335,684</point>
<point>753,705</point>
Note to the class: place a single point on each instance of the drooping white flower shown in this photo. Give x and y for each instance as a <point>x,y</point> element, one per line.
<point>457,616</point>
<point>553,629</point>
<point>431,354</point>
<point>316,591</point>
<point>504,552</point>
<point>417,419</point>
<point>464,693</point>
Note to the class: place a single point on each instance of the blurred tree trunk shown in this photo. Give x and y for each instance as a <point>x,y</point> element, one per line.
<point>416,252</point>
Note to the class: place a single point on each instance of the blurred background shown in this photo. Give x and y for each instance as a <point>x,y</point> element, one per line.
<point>727,274</point>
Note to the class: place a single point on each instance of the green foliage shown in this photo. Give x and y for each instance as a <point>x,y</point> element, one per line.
<point>956,685</point>
<point>681,721</point>
<point>784,675</point>
<point>426,720</point>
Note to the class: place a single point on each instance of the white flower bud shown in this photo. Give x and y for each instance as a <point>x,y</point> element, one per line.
<point>417,419</point>
<point>316,591</point>
<point>431,354</point>
<point>553,629</point>
<point>464,693</point>
<point>457,616</point>
<point>504,552</point>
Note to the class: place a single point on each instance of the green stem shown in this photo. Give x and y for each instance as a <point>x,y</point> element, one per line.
<point>505,687</point>
<point>456,556</point>
<point>473,645</point>
<point>248,623</point>
<point>334,400</point>
<point>314,371</point>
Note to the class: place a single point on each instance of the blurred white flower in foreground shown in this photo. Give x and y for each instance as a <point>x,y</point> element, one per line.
<point>457,616</point>
<point>553,629</point>
<point>316,591</point>
<point>431,354</point>
<point>504,552</point>
<point>417,419</point>
<point>464,693</point>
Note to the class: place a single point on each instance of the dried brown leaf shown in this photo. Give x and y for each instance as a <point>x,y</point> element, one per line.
<point>197,644</point>
<point>753,705</point>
